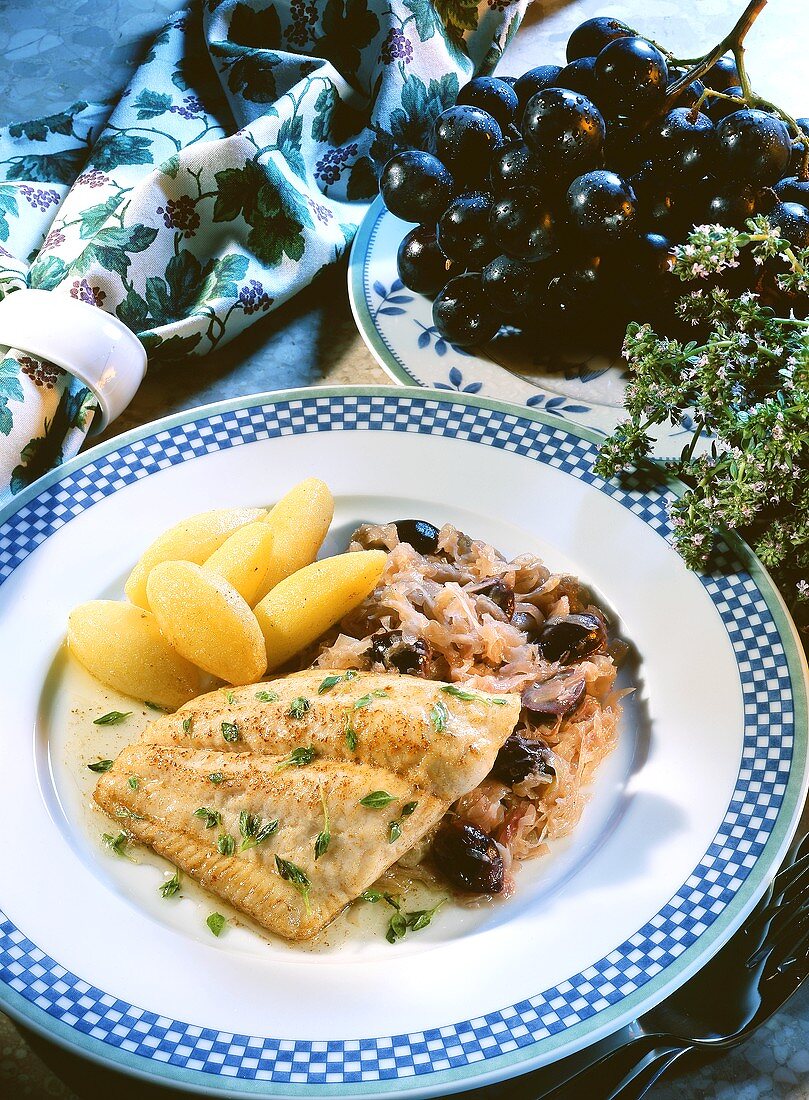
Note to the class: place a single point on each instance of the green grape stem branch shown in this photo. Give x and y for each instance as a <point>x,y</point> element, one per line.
<point>744,382</point>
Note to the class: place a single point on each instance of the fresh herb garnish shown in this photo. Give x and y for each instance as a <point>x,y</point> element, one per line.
<point>439,715</point>
<point>116,844</point>
<point>267,696</point>
<point>230,731</point>
<point>253,830</point>
<point>216,778</point>
<point>187,723</point>
<point>230,697</point>
<point>210,818</point>
<point>394,831</point>
<point>112,718</point>
<point>400,922</point>
<point>350,674</point>
<point>293,874</point>
<point>372,896</point>
<point>298,758</point>
<point>125,813</point>
<point>133,782</point>
<point>377,800</point>
<point>408,808</point>
<point>323,839</point>
<point>332,680</point>
<point>226,845</point>
<point>470,696</point>
<point>350,735</point>
<point>298,707</point>
<point>365,700</point>
<point>216,922</point>
<point>100,766</point>
<point>171,887</point>
<point>156,706</point>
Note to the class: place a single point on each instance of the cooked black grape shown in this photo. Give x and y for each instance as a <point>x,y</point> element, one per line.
<point>793,220</point>
<point>684,143</point>
<point>416,186</point>
<point>752,147</point>
<point>422,535</point>
<point>465,138</point>
<point>631,76</point>
<point>543,76</point>
<point>591,36</point>
<point>395,653</point>
<point>793,189</point>
<point>564,130</point>
<point>467,857</point>
<point>722,75</point>
<point>422,265</point>
<point>463,229</point>
<point>523,225</point>
<point>518,758</point>
<point>601,206</point>
<point>462,314</point>
<point>513,166</point>
<point>568,638</point>
<point>492,95</point>
<point>579,76</point>
<point>732,205</point>
<point>511,285</point>
<point>717,108</point>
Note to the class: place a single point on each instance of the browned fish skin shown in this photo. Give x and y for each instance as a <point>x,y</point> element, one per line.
<point>413,741</point>
<point>173,783</point>
<point>396,731</point>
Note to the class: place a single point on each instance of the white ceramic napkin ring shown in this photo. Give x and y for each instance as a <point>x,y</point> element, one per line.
<point>92,345</point>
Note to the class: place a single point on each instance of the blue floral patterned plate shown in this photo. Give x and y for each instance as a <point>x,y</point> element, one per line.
<point>397,326</point>
<point>688,817</point>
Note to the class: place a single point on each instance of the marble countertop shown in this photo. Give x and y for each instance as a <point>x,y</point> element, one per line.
<point>57,51</point>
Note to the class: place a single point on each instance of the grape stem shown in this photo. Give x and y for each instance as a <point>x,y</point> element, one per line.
<point>734,43</point>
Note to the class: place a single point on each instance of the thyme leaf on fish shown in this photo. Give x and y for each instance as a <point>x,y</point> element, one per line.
<point>394,831</point>
<point>332,680</point>
<point>298,707</point>
<point>216,778</point>
<point>254,830</point>
<point>226,845</point>
<point>112,718</point>
<point>187,724</point>
<point>298,758</point>
<point>470,696</point>
<point>408,808</point>
<point>298,878</point>
<point>210,818</point>
<point>156,706</point>
<point>230,697</point>
<point>350,735</point>
<point>100,766</point>
<point>439,715</point>
<point>323,839</point>
<point>171,886</point>
<point>377,800</point>
<point>230,731</point>
<point>133,782</point>
<point>267,696</point>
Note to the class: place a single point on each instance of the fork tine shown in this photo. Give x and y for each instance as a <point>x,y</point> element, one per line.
<point>797,924</point>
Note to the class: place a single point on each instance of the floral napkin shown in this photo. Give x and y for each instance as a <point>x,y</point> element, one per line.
<point>236,165</point>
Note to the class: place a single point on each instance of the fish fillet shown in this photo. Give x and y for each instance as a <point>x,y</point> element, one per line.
<point>409,739</point>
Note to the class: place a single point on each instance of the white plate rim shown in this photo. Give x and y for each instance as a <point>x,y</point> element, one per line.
<point>466,1076</point>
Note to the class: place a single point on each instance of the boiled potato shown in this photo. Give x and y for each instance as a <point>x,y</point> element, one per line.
<point>121,645</point>
<point>207,621</point>
<point>193,539</point>
<point>299,522</point>
<point>302,606</point>
<point>243,559</point>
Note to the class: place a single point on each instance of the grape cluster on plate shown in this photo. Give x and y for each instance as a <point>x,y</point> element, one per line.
<point>551,202</point>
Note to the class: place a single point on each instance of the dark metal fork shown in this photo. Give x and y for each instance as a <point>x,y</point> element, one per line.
<point>749,979</point>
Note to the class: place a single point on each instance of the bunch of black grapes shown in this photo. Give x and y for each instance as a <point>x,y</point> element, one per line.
<point>551,202</point>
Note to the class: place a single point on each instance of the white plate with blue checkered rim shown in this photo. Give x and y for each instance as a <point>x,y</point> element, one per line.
<point>397,326</point>
<point>688,820</point>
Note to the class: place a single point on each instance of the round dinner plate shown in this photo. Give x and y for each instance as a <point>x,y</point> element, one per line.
<point>688,818</point>
<point>397,327</point>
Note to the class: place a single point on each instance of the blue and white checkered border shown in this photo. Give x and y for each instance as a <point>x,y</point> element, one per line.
<point>748,823</point>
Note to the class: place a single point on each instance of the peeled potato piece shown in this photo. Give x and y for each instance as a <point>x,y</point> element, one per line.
<point>207,621</point>
<point>302,606</point>
<point>243,559</point>
<point>193,539</point>
<point>121,645</point>
<point>299,522</point>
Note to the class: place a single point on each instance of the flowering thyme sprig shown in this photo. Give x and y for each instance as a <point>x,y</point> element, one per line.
<point>745,383</point>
